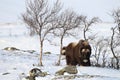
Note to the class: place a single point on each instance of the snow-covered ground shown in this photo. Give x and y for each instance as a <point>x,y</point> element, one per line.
<point>14,63</point>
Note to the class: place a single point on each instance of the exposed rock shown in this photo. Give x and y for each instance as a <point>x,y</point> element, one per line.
<point>6,73</point>
<point>10,48</point>
<point>69,69</point>
<point>16,49</point>
<point>73,76</point>
<point>35,72</point>
<point>43,74</point>
<point>60,72</point>
<point>47,52</point>
<point>65,77</point>
<point>30,78</point>
<point>30,51</point>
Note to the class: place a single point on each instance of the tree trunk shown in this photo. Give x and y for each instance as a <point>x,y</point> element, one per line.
<point>117,60</point>
<point>41,50</point>
<point>84,33</point>
<point>111,46</point>
<point>119,27</point>
<point>61,45</point>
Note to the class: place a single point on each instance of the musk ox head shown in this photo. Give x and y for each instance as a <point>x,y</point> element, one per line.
<point>85,55</point>
<point>84,46</point>
<point>85,51</point>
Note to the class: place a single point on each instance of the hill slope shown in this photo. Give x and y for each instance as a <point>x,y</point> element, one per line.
<point>15,63</point>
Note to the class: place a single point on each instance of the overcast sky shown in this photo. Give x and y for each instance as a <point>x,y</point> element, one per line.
<point>10,10</point>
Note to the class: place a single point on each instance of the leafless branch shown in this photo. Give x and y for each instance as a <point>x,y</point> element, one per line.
<point>39,16</point>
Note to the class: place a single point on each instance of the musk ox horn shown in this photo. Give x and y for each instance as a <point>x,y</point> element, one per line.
<point>83,50</point>
<point>87,50</point>
<point>63,51</point>
<point>81,42</point>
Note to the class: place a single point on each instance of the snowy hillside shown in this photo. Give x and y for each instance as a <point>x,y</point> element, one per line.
<point>17,64</point>
<point>16,35</point>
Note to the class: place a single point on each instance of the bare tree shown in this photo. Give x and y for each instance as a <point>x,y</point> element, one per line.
<point>105,52</point>
<point>39,16</point>
<point>115,36</point>
<point>113,45</point>
<point>100,47</point>
<point>68,20</point>
<point>116,16</point>
<point>87,24</point>
<point>104,57</point>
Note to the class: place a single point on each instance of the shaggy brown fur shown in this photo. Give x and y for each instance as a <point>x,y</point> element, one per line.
<point>78,53</point>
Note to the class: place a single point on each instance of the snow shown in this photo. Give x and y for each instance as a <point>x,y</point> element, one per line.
<point>15,65</point>
<point>17,62</point>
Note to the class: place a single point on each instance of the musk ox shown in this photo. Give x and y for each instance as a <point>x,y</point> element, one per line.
<point>77,53</point>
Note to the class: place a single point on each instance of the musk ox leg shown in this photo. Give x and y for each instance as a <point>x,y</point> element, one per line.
<point>89,64</point>
<point>74,62</point>
<point>79,62</point>
<point>70,61</point>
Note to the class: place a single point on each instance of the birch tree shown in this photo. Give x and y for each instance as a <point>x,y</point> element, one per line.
<point>39,17</point>
<point>87,24</point>
<point>68,20</point>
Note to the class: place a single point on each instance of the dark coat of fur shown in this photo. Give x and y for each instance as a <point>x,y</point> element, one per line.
<point>78,53</point>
